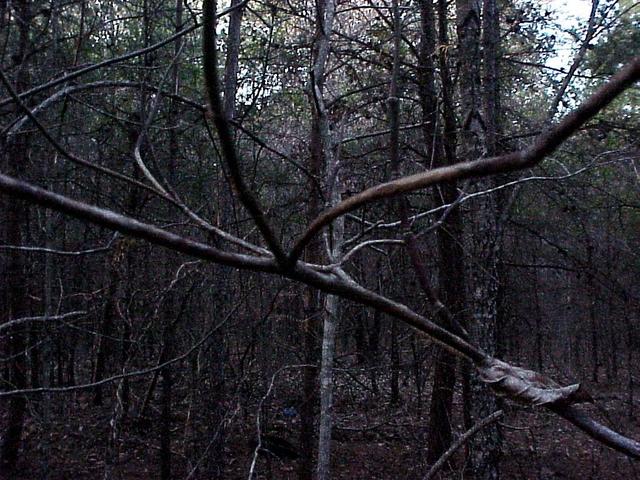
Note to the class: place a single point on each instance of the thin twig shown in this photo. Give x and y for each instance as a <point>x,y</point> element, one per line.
<point>119,59</point>
<point>134,373</point>
<point>464,438</point>
<point>43,318</point>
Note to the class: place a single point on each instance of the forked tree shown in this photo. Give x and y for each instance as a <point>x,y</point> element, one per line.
<point>273,257</point>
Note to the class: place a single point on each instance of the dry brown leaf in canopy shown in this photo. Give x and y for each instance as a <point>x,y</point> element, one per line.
<point>526,386</point>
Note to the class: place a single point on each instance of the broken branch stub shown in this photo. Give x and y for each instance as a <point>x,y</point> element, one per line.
<point>528,387</point>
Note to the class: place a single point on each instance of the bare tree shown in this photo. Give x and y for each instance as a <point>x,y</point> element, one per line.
<point>266,250</point>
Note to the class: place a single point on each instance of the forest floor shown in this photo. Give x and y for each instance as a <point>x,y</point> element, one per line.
<point>372,440</point>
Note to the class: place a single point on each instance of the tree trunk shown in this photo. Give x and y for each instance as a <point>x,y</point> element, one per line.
<point>331,315</point>
<point>479,137</point>
<point>331,309</point>
<point>165,426</point>
<point>232,60</point>
<point>449,238</point>
<point>16,159</point>
<point>480,132</point>
<point>319,148</point>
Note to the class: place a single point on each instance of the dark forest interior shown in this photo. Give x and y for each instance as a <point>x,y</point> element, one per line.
<point>330,239</point>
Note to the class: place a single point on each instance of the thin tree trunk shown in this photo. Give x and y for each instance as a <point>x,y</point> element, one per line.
<point>480,130</point>
<point>593,319</point>
<point>331,315</point>
<point>450,263</point>
<point>16,157</point>
<point>232,60</point>
<point>631,369</point>
<point>331,308</point>
<point>394,153</point>
<point>165,426</point>
<point>394,380</point>
<point>331,305</point>
<point>167,344</point>
<point>325,10</point>
<point>106,326</point>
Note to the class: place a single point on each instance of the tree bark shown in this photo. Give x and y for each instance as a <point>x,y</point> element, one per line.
<point>479,135</point>
<point>16,158</point>
<point>331,317</point>
<point>232,59</point>
<point>320,148</point>
<point>449,238</point>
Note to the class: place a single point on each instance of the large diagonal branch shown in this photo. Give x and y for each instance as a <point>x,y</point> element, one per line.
<point>544,145</point>
<point>130,226</point>
<point>516,385</point>
<point>302,272</point>
<point>224,133</point>
<point>156,189</point>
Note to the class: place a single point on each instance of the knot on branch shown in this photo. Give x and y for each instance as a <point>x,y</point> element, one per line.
<point>528,387</point>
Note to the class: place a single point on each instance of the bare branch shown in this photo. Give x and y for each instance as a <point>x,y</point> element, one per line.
<point>544,145</point>
<point>464,438</point>
<point>156,189</point>
<point>360,246</point>
<point>224,133</point>
<point>380,133</point>
<point>106,63</point>
<point>339,285</point>
<point>463,198</point>
<point>256,451</point>
<point>119,59</point>
<point>597,431</point>
<point>130,226</point>
<point>131,374</point>
<point>44,318</point>
<point>58,147</point>
<point>576,62</point>
<point>14,128</point>
<point>64,253</point>
<point>153,110</point>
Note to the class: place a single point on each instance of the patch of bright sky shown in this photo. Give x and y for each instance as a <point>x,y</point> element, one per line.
<point>569,14</point>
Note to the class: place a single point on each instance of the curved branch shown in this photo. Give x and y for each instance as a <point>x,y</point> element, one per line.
<point>63,92</point>
<point>465,197</point>
<point>60,149</point>
<point>156,189</point>
<point>544,145</point>
<point>338,285</point>
<point>357,248</point>
<point>106,63</point>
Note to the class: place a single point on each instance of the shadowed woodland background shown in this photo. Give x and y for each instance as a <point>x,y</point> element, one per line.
<point>135,361</point>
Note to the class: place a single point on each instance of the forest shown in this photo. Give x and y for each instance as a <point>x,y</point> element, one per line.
<point>328,239</point>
